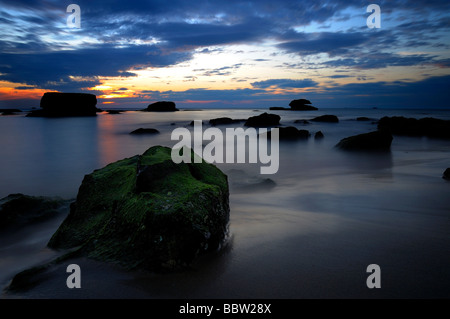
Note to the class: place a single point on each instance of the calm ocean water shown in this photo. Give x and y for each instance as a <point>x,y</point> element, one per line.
<point>330,215</point>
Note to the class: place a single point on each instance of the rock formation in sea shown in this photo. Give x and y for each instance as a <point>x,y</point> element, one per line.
<point>377,140</point>
<point>161,106</point>
<point>446,174</point>
<point>296,105</point>
<point>224,121</point>
<point>291,133</point>
<point>9,111</point>
<point>18,210</point>
<point>55,104</point>
<point>326,118</point>
<point>263,120</point>
<point>142,131</point>
<point>319,135</point>
<point>302,105</point>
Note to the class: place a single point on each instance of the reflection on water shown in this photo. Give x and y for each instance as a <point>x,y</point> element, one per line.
<point>311,232</point>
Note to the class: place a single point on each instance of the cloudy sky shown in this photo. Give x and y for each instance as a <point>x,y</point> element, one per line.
<point>231,53</point>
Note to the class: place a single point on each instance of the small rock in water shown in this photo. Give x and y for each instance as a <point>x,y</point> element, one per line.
<point>446,174</point>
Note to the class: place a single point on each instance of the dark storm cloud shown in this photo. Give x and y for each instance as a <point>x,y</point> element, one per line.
<point>178,27</point>
<point>379,60</point>
<point>325,42</point>
<point>53,69</point>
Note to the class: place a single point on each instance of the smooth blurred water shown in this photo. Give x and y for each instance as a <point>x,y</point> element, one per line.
<point>330,215</point>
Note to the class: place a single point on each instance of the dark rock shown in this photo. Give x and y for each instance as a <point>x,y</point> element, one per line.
<point>291,133</point>
<point>162,106</point>
<point>431,127</point>
<point>145,131</point>
<point>288,133</point>
<point>243,182</point>
<point>9,111</point>
<point>326,118</point>
<point>279,108</point>
<point>17,210</point>
<point>302,105</point>
<point>224,121</point>
<point>446,174</point>
<point>301,122</point>
<point>377,140</point>
<point>55,104</point>
<point>147,212</point>
<point>263,120</point>
<point>114,111</point>
<point>318,135</point>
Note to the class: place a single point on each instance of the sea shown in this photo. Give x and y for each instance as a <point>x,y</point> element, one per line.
<point>310,230</point>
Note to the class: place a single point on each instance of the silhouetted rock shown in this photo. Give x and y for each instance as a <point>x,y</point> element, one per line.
<point>431,127</point>
<point>446,174</point>
<point>55,104</point>
<point>292,133</point>
<point>301,122</point>
<point>9,111</point>
<point>243,182</point>
<point>263,120</point>
<point>377,140</point>
<point>162,106</point>
<point>114,111</point>
<point>145,131</point>
<point>302,105</point>
<point>20,210</point>
<point>147,212</point>
<point>326,118</point>
<point>224,121</point>
<point>318,135</point>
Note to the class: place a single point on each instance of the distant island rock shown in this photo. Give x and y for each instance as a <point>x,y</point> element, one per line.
<point>430,127</point>
<point>377,140</point>
<point>302,105</point>
<point>263,120</point>
<point>296,105</point>
<point>9,111</point>
<point>141,131</point>
<point>161,106</point>
<point>146,212</point>
<point>55,104</point>
<point>290,133</point>
<point>326,118</point>
<point>114,111</point>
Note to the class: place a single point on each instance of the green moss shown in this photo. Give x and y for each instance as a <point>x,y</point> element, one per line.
<point>147,211</point>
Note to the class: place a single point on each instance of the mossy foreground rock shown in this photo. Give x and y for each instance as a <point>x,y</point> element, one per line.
<point>148,212</point>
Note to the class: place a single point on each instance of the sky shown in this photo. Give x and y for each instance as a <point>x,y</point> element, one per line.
<point>227,54</point>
